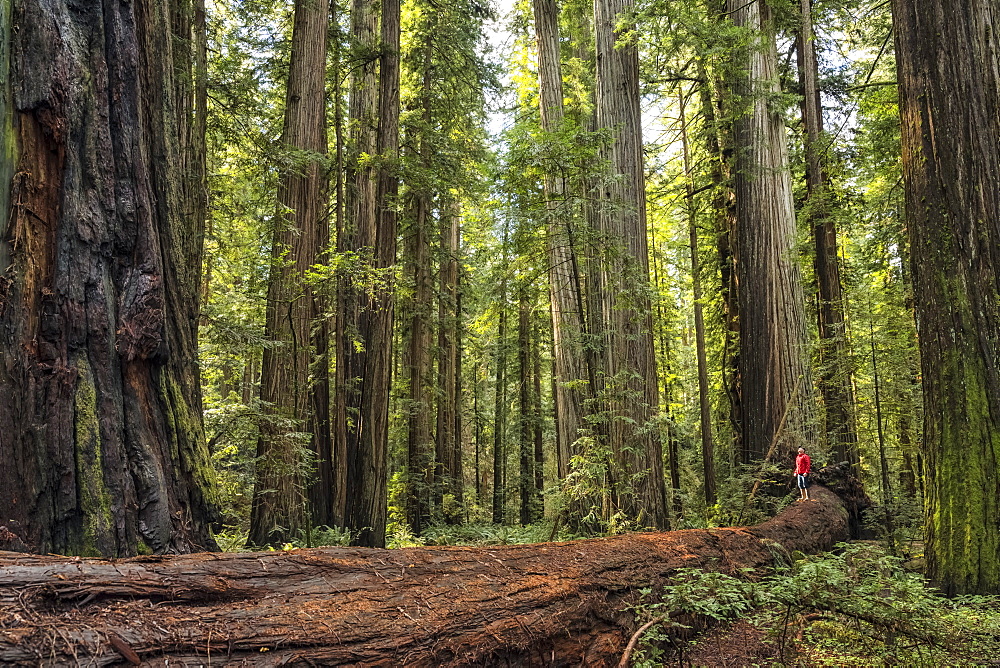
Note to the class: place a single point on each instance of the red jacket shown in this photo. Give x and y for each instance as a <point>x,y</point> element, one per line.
<point>802,464</point>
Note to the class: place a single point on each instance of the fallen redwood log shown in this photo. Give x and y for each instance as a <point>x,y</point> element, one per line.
<point>543,604</point>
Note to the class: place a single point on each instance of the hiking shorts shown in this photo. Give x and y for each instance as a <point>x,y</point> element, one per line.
<point>803,481</point>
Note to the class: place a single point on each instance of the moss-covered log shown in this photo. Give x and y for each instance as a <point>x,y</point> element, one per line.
<point>545,604</point>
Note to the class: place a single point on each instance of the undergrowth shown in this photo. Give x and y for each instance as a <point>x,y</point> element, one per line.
<point>855,606</point>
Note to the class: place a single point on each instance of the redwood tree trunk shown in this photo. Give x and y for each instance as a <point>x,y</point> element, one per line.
<point>355,237</point>
<point>368,435</point>
<point>280,498</point>
<point>100,408</point>
<point>417,336</point>
<point>630,380</point>
<point>948,67</point>
<point>773,356</point>
<point>562,237</point>
<point>449,433</point>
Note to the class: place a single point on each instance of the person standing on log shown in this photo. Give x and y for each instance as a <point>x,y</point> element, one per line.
<point>802,467</point>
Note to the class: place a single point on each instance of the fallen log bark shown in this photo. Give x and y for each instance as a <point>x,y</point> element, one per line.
<point>544,604</point>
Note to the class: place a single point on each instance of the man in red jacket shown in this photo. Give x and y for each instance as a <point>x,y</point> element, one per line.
<point>802,466</point>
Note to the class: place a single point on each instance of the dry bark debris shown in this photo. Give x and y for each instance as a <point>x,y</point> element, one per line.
<point>543,604</point>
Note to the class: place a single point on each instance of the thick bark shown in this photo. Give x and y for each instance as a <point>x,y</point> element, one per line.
<point>629,386</point>
<point>552,604</point>
<point>100,409</point>
<point>835,381</point>
<point>419,442</point>
<point>773,357</point>
<point>422,459</point>
<point>949,90</point>
<point>280,498</point>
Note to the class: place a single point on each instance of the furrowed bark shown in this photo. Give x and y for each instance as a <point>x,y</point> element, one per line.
<point>357,237</point>
<point>419,442</point>
<point>568,325</point>
<point>100,410</point>
<point>367,455</point>
<point>279,509</point>
<point>449,417</point>
<point>630,393</point>
<point>773,355</point>
<point>948,67</point>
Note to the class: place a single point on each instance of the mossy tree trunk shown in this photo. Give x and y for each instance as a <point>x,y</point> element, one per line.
<point>100,408</point>
<point>948,67</point>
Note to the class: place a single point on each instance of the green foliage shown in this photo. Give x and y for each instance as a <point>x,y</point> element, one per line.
<point>231,539</point>
<point>854,606</point>
<point>490,534</point>
<point>322,536</point>
<point>897,523</point>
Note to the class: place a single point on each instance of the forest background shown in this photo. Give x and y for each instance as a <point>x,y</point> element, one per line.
<point>475,154</point>
<point>396,319</point>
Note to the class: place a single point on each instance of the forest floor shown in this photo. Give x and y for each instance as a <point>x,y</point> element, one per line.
<point>733,645</point>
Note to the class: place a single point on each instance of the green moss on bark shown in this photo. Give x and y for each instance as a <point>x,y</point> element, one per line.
<point>96,534</point>
<point>963,499</point>
<point>8,147</point>
<point>188,447</point>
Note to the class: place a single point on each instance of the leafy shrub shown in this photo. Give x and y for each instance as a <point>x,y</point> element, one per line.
<point>854,606</point>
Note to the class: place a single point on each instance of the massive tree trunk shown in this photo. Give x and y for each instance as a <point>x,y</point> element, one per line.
<point>549,604</point>
<point>629,387</point>
<point>100,406</point>
<point>773,357</point>
<point>280,498</point>
<point>948,68</point>
<point>835,382</point>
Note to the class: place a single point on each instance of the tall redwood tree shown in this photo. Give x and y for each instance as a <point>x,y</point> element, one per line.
<point>949,91</point>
